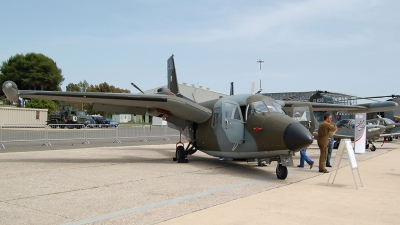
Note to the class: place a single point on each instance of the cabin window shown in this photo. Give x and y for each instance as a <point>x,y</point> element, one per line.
<point>232,111</point>
<point>38,115</point>
<point>215,117</point>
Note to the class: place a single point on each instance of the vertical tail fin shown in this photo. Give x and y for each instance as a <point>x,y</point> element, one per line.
<point>172,79</point>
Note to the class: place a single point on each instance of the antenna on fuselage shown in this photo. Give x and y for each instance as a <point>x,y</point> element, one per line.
<point>260,61</point>
<point>232,91</point>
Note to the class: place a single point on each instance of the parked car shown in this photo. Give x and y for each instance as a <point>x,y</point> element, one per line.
<point>101,121</point>
<point>90,121</point>
<point>112,122</point>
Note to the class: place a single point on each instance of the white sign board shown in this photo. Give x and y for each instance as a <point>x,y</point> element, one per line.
<point>360,133</point>
<point>345,144</point>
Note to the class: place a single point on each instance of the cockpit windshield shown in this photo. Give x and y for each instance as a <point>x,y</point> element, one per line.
<point>347,123</point>
<point>388,121</point>
<point>259,107</point>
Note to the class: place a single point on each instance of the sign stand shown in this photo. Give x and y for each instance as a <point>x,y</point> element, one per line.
<point>360,133</point>
<point>345,144</point>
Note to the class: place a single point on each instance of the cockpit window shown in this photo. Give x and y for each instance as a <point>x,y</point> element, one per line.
<point>388,121</point>
<point>259,107</point>
<point>270,106</point>
<point>278,107</point>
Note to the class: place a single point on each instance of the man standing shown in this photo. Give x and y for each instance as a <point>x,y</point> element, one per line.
<point>324,130</point>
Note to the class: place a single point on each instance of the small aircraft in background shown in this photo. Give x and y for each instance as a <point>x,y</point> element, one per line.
<point>392,128</point>
<point>248,126</point>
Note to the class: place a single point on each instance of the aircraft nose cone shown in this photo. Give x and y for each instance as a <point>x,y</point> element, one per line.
<point>297,137</point>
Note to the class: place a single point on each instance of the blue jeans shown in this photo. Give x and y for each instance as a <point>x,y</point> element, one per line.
<point>330,147</point>
<point>304,157</point>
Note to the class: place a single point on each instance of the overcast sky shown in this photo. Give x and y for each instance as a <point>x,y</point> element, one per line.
<point>345,46</point>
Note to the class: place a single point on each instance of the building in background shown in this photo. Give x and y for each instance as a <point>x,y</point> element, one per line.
<point>22,116</point>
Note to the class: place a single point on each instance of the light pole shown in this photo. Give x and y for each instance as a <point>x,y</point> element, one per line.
<point>260,61</point>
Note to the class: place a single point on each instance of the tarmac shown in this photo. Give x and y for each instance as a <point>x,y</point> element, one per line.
<point>141,185</point>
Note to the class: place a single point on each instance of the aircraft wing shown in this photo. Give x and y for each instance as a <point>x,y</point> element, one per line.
<point>161,104</point>
<point>389,134</point>
<point>350,109</point>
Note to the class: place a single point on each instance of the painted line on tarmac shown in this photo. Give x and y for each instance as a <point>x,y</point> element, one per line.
<point>172,201</point>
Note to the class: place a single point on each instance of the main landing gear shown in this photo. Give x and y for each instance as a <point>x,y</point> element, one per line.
<point>181,153</point>
<point>372,147</point>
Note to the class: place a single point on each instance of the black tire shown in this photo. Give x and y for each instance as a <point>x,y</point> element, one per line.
<point>390,139</point>
<point>281,172</point>
<point>373,148</point>
<point>180,152</point>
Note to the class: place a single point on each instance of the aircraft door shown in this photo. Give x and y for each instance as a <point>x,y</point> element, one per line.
<point>232,122</point>
<point>303,113</point>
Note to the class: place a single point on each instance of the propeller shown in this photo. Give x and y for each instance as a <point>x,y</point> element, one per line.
<point>383,96</point>
<point>134,85</point>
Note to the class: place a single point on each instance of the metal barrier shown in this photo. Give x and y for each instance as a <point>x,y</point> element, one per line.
<point>56,132</point>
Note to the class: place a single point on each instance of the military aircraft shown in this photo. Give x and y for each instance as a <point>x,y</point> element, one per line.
<point>392,128</point>
<point>246,126</point>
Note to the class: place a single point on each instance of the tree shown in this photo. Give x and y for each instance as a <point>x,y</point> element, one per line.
<point>104,87</point>
<point>82,86</point>
<point>33,71</point>
<point>42,104</point>
<point>72,88</point>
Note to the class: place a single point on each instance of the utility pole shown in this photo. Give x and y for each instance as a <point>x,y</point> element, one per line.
<point>260,61</point>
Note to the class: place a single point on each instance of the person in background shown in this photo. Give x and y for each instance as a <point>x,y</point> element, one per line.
<point>330,148</point>
<point>325,130</point>
<point>304,157</point>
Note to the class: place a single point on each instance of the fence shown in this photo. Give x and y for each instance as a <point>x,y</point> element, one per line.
<point>52,133</point>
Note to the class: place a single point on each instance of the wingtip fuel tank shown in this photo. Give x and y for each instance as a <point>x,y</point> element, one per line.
<point>10,89</point>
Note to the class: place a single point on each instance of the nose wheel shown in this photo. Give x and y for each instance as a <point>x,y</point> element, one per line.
<point>281,172</point>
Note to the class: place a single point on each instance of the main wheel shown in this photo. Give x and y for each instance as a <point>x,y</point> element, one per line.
<point>373,148</point>
<point>281,172</point>
<point>180,152</point>
<point>390,139</point>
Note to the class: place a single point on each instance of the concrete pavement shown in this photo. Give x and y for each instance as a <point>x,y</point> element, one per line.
<point>141,185</point>
<point>312,201</point>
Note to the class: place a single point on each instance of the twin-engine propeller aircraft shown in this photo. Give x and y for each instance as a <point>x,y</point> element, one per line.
<point>247,126</point>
